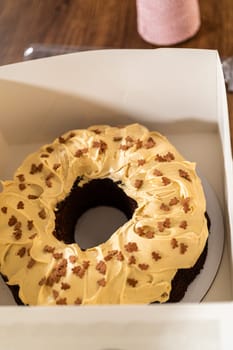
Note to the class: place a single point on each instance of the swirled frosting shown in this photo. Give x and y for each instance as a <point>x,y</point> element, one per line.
<point>167,231</point>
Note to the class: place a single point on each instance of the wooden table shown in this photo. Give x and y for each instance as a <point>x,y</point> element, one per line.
<point>101,23</point>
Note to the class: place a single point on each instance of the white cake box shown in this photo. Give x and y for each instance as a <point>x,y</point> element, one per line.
<point>179,92</point>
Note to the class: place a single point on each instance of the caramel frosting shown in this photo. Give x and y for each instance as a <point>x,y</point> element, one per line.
<point>167,231</point>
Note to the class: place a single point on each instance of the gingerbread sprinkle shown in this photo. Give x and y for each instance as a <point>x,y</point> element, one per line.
<point>21,252</point>
<point>22,186</point>
<point>31,263</point>
<point>157,172</point>
<point>48,249</point>
<point>78,301</point>
<point>4,210</point>
<point>173,201</point>
<point>166,181</point>
<point>32,196</point>
<point>183,224</point>
<point>30,225</point>
<point>101,267</point>
<point>72,259</point>
<point>132,260</point>
<point>185,175</point>
<point>143,266</point>
<point>132,282</point>
<point>138,183</point>
<point>42,214</point>
<point>156,256</point>
<point>102,282</point>
<point>149,143</point>
<point>20,205</point>
<point>78,271</point>
<point>131,247</point>
<point>65,286</point>
<point>61,301</point>
<point>183,248</point>
<point>141,162</point>
<point>174,243</point>
<point>12,221</point>
<point>21,177</point>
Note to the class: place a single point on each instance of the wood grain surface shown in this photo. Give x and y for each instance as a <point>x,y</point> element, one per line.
<point>101,23</point>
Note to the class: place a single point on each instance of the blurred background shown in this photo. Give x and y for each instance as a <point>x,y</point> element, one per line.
<point>37,28</point>
<point>99,23</point>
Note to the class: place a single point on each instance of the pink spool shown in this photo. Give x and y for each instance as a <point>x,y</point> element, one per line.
<point>167,22</point>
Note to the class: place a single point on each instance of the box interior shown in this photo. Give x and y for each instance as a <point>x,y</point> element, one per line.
<point>35,113</point>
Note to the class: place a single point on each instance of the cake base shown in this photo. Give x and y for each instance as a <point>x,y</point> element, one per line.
<point>106,192</point>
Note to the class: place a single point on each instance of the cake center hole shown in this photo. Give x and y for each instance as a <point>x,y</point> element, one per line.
<point>96,225</point>
<point>91,213</point>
